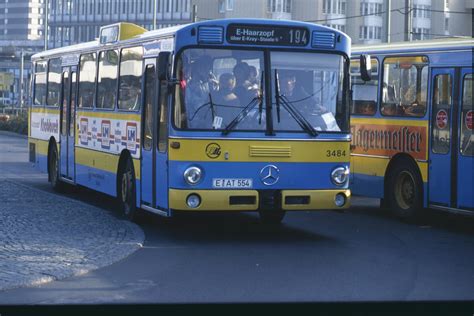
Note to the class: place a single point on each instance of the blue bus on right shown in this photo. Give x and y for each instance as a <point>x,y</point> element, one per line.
<point>411,124</point>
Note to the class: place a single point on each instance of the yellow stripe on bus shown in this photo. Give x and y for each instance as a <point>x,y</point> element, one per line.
<point>258,150</point>
<point>41,145</point>
<point>111,115</point>
<point>44,110</point>
<point>102,161</point>
<point>377,166</point>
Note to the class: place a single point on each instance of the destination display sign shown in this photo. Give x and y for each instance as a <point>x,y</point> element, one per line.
<point>267,35</point>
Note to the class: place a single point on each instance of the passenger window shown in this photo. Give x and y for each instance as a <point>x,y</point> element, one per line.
<point>87,76</point>
<point>404,86</point>
<point>163,129</point>
<point>107,79</point>
<point>130,91</point>
<point>467,143</point>
<point>66,90</point>
<point>150,91</point>
<point>364,93</point>
<point>54,82</point>
<point>72,111</point>
<point>442,101</point>
<point>40,83</point>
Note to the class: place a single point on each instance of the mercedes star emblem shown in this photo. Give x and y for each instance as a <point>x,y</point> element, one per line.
<point>269,175</point>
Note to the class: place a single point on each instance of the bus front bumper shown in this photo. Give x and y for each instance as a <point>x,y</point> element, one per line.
<point>253,200</point>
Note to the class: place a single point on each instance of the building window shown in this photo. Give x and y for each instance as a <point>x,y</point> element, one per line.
<point>370,32</point>
<point>221,5</point>
<point>287,7</point>
<point>230,5</point>
<point>446,24</point>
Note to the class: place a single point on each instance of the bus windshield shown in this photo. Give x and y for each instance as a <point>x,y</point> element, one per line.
<point>223,89</point>
<point>308,85</point>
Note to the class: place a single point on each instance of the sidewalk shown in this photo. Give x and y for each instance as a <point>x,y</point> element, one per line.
<point>46,237</point>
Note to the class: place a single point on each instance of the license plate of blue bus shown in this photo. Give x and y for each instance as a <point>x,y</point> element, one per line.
<point>231,183</point>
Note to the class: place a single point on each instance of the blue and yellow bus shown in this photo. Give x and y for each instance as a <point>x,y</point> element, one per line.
<point>222,115</point>
<point>412,143</point>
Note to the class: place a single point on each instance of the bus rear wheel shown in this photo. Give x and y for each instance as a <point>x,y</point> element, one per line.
<point>405,191</point>
<point>53,170</point>
<point>271,217</point>
<point>126,191</point>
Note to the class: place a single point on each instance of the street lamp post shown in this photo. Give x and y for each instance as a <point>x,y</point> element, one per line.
<point>154,14</point>
<point>22,64</point>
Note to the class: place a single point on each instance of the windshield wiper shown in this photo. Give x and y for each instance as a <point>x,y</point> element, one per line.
<point>242,114</point>
<point>305,125</point>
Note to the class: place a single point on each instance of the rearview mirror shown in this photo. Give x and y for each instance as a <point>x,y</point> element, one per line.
<point>365,67</point>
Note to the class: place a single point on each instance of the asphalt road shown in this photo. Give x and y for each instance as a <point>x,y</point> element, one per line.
<point>361,255</point>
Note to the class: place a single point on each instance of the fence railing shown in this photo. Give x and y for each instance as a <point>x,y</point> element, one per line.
<point>13,111</point>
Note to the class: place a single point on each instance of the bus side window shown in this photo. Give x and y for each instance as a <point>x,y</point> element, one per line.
<point>107,79</point>
<point>467,143</point>
<point>130,87</point>
<point>404,88</point>
<point>40,83</point>
<point>87,76</point>
<point>163,119</point>
<point>442,103</point>
<point>150,91</point>
<point>364,93</point>
<point>54,82</point>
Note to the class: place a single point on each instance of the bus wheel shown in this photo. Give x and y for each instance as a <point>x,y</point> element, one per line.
<point>405,191</point>
<point>271,216</point>
<point>127,192</point>
<point>53,170</point>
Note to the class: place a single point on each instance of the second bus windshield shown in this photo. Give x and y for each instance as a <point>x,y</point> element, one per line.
<point>216,85</point>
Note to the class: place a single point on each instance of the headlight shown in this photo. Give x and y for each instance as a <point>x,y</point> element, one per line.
<point>340,175</point>
<point>192,175</point>
<point>193,201</point>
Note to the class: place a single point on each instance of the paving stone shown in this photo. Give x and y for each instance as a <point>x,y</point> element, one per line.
<point>46,237</point>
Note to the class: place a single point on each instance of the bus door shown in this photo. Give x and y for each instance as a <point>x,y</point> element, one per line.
<point>442,177</point>
<point>465,181</point>
<point>154,168</point>
<point>66,144</point>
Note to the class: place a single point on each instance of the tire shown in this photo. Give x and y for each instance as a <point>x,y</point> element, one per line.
<point>405,191</point>
<point>271,217</point>
<point>126,194</point>
<point>53,170</point>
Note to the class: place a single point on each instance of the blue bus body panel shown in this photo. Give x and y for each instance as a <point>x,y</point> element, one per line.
<point>297,176</point>
<point>465,169</point>
<point>147,175</point>
<point>465,182</point>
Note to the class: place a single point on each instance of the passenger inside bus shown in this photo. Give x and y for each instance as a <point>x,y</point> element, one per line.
<point>198,90</point>
<point>226,96</point>
<point>295,93</point>
<point>244,89</point>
